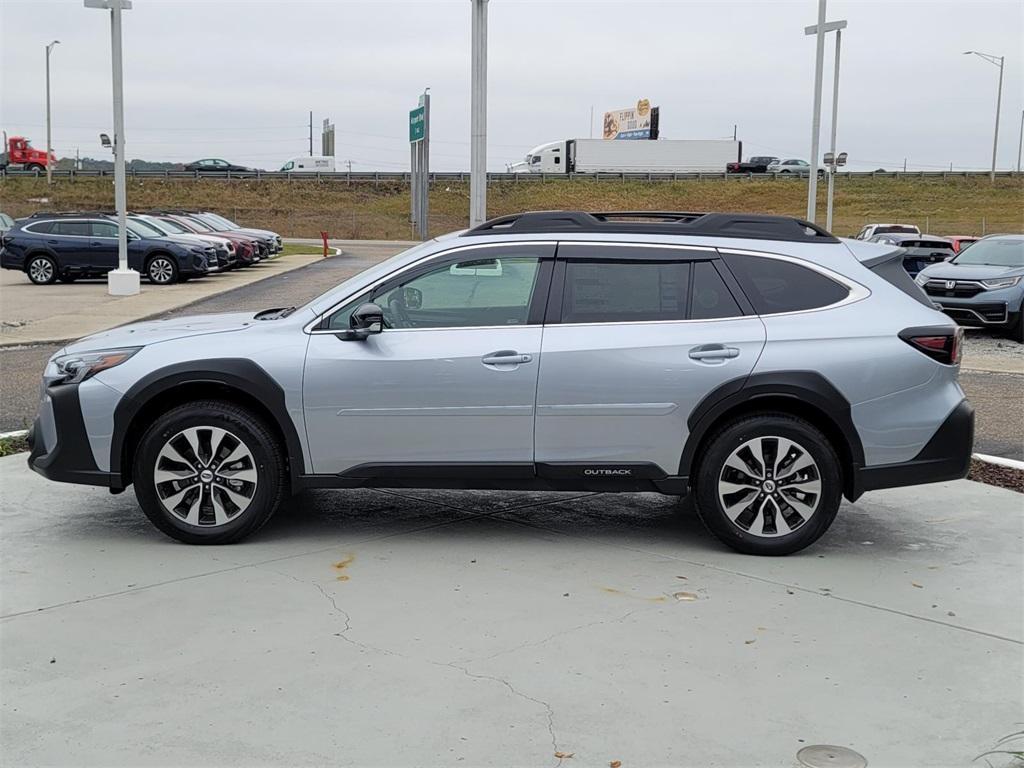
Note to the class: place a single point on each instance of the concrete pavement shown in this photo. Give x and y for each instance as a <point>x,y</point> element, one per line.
<point>481,628</point>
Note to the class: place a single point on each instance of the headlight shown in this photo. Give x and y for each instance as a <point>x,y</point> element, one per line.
<point>75,368</point>
<point>1001,282</point>
<point>921,278</point>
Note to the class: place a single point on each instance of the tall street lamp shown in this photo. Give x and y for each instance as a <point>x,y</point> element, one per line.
<point>49,144</point>
<point>837,27</point>
<point>998,61</point>
<point>121,281</point>
<point>819,63</point>
<point>478,117</point>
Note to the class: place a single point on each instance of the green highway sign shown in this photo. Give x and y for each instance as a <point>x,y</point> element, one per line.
<point>417,124</point>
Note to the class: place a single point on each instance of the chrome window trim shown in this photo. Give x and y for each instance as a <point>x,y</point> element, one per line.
<point>857,292</point>
<point>54,234</point>
<point>310,328</point>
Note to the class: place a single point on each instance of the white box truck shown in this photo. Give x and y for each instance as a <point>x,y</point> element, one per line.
<point>639,156</point>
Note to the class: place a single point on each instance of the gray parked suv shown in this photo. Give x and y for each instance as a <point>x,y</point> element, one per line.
<point>983,285</point>
<point>755,361</point>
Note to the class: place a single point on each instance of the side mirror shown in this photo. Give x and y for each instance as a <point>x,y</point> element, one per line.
<point>366,320</point>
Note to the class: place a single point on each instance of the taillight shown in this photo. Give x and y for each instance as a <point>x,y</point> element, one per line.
<point>942,343</point>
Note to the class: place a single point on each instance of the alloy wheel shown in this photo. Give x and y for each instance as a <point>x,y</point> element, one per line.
<point>161,270</point>
<point>769,486</point>
<point>41,271</point>
<point>205,476</point>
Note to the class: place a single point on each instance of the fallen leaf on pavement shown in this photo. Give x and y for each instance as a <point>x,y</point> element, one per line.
<point>564,755</point>
<point>915,584</point>
<point>684,596</point>
<point>749,642</point>
<point>616,763</point>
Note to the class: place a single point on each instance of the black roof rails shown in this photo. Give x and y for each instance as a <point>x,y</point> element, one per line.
<point>749,225</point>
<point>51,214</point>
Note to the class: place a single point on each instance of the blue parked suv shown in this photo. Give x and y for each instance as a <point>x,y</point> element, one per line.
<point>983,285</point>
<point>67,246</point>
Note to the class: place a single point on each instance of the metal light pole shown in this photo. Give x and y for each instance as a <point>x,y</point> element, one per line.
<point>49,144</point>
<point>478,118</point>
<point>819,63</point>
<point>121,281</point>
<point>1020,141</point>
<point>998,61</point>
<point>837,27</point>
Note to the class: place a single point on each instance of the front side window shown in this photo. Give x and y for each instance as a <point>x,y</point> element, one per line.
<point>774,285</point>
<point>476,292</point>
<point>104,229</point>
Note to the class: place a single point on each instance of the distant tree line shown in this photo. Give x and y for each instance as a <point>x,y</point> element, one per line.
<point>92,164</point>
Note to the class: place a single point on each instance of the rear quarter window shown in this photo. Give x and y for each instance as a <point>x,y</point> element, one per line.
<point>775,286</point>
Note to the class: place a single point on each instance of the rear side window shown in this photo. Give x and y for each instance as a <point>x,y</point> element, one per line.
<point>711,298</point>
<point>622,292</point>
<point>74,228</point>
<point>774,285</point>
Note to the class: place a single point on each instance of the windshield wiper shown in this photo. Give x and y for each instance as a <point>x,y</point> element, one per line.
<point>274,314</point>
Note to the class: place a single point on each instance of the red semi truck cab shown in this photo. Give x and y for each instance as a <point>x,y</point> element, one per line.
<point>21,153</point>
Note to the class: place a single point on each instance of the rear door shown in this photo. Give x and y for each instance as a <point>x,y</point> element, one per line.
<point>72,243</point>
<point>103,245</point>
<point>635,337</point>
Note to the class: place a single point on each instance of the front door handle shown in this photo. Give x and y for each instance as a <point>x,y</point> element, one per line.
<point>713,352</point>
<point>505,357</point>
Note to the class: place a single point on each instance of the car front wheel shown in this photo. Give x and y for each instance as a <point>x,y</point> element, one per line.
<point>209,472</point>
<point>162,270</point>
<point>768,484</point>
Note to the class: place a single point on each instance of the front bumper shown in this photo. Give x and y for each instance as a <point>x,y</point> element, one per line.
<point>976,311</point>
<point>58,444</point>
<point>946,456</point>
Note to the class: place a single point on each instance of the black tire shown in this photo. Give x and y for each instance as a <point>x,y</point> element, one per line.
<point>712,469</point>
<point>266,459</point>
<point>36,167</point>
<point>162,269</point>
<point>1017,331</point>
<point>41,270</point>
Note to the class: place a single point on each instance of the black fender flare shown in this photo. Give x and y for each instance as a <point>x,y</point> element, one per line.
<point>237,373</point>
<point>806,389</point>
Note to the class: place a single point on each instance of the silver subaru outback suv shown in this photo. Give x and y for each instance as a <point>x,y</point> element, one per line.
<point>757,362</point>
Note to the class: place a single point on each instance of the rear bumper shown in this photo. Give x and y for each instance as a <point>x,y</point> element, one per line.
<point>58,444</point>
<point>947,456</point>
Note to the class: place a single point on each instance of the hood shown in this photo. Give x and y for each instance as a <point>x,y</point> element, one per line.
<point>155,331</point>
<point>948,270</point>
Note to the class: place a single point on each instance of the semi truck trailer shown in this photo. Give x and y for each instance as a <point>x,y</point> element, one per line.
<point>660,156</point>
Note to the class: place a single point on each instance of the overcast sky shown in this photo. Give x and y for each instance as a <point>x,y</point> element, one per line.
<point>237,79</point>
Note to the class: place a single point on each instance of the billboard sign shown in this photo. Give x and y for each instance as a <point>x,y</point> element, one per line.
<point>632,123</point>
<point>417,124</point>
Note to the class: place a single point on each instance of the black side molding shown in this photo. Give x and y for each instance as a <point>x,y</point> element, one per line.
<point>947,456</point>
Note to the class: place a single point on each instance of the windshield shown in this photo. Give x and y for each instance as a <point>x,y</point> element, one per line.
<point>221,221</point>
<point>997,252</point>
<point>159,227</point>
<point>198,224</point>
<point>142,229</point>
<point>166,226</point>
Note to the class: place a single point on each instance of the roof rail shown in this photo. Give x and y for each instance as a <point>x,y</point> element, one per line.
<point>747,225</point>
<point>52,214</point>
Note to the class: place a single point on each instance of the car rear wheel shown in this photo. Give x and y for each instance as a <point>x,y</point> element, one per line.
<point>768,484</point>
<point>209,472</point>
<point>162,270</point>
<point>41,270</point>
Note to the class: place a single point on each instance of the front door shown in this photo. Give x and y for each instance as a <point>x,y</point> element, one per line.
<point>636,337</point>
<point>450,383</point>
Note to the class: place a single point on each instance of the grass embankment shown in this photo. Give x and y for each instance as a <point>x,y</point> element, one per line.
<point>304,207</point>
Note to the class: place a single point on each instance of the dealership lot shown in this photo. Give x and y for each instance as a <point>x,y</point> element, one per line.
<point>479,628</point>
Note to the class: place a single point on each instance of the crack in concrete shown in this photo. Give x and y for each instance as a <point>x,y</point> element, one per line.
<point>549,711</point>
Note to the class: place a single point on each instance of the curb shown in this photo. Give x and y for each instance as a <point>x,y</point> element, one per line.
<point>999,461</point>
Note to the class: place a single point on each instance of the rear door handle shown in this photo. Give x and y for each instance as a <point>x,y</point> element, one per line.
<point>713,352</point>
<point>505,357</point>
